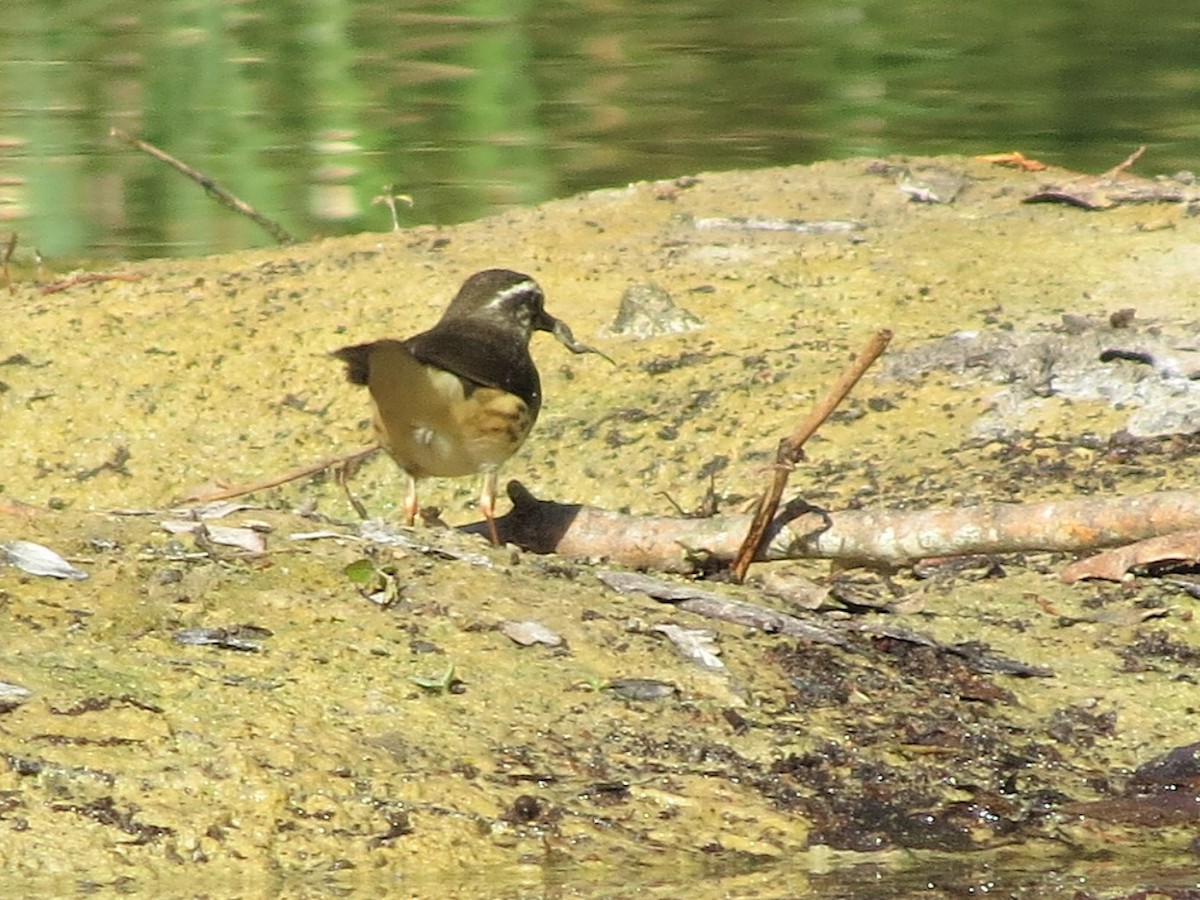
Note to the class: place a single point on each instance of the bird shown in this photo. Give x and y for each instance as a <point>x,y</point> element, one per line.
<point>461,398</point>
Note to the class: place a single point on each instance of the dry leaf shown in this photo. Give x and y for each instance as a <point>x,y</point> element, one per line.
<point>1014,159</point>
<point>38,560</point>
<point>799,591</point>
<point>247,539</point>
<point>1183,547</point>
<point>697,644</point>
<point>529,633</point>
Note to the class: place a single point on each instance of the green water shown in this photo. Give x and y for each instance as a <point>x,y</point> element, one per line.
<point>307,110</point>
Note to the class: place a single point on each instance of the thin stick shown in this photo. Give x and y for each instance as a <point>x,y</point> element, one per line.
<point>273,228</point>
<point>9,246</point>
<point>790,452</point>
<point>203,496</point>
<point>89,278</point>
<point>1127,163</point>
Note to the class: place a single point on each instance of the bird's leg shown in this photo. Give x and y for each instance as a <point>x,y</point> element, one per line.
<point>487,505</point>
<point>410,501</point>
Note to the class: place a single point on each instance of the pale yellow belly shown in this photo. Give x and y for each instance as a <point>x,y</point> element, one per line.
<point>424,419</point>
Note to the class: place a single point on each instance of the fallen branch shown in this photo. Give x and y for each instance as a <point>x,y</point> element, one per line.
<point>711,605</point>
<point>1181,547</point>
<point>277,231</point>
<point>1114,187</point>
<point>211,495</point>
<point>871,537</point>
<point>791,451</point>
<point>715,606</point>
<point>89,278</point>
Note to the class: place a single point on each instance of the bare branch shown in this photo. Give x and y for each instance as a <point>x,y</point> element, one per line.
<point>273,228</point>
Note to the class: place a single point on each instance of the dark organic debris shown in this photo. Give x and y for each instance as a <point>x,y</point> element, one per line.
<point>98,704</point>
<point>607,793</point>
<point>1150,649</point>
<point>115,463</point>
<point>77,740</point>
<point>104,810</point>
<point>1162,792</point>
<point>525,810</point>
<point>1177,768</point>
<point>399,824</point>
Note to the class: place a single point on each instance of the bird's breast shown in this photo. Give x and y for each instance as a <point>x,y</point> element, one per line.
<point>433,422</point>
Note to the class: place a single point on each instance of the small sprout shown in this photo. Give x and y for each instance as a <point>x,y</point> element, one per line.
<point>389,198</point>
<point>439,683</point>
<point>378,583</point>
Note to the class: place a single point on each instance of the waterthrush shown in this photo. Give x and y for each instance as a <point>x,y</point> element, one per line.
<point>460,398</point>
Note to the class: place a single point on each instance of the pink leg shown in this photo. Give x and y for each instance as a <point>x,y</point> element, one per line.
<point>487,505</point>
<point>410,501</point>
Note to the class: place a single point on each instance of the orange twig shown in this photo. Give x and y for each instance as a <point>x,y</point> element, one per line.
<point>1127,163</point>
<point>209,496</point>
<point>790,452</point>
<point>88,278</point>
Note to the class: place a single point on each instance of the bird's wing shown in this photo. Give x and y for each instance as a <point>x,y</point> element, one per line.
<point>481,354</point>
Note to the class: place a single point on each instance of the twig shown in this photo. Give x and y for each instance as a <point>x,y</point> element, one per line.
<point>89,278</point>
<point>208,496</point>
<point>1127,163</point>
<point>9,247</point>
<point>277,231</point>
<point>790,452</point>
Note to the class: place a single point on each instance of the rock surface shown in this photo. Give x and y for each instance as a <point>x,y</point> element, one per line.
<point>381,730</point>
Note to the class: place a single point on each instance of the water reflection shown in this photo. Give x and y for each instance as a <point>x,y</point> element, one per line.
<point>306,110</point>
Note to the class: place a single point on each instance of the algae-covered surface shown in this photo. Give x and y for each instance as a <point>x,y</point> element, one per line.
<point>330,742</point>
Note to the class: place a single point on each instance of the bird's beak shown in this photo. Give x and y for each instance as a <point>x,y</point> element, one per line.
<point>562,333</point>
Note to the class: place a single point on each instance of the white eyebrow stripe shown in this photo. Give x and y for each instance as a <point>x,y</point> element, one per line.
<point>521,287</point>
